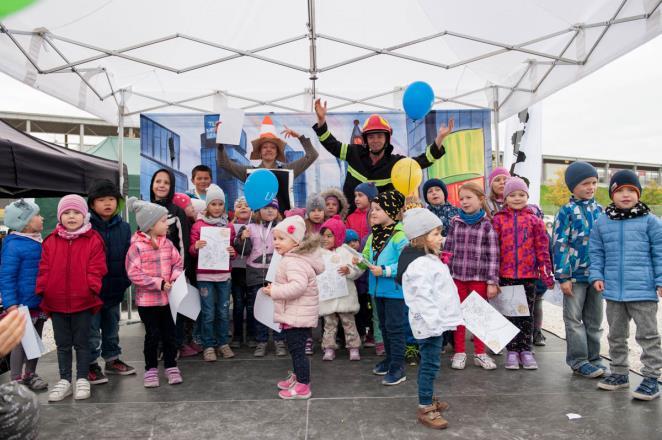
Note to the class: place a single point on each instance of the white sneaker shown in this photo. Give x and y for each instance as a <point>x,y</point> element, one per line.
<point>484,361</point>
<point>459,360</point>
<point>61,390</point>
<point>82,389</point>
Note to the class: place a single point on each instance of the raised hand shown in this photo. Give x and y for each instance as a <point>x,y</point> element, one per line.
<point>444,131</point>
<point>320,110</point>
<point>288,132</point>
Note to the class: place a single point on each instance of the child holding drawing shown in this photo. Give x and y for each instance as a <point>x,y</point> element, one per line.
<point>434,305</point>
<point>213,285</point>
<point>296,299</point>
<point>345,307</point>
<point>474,265</point>
<point>524,257</point>
<point>153,264</point>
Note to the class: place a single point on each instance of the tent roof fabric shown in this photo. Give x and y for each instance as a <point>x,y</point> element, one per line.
<point>108,150</point>
<point>169,55</point>
<point>33,168</point>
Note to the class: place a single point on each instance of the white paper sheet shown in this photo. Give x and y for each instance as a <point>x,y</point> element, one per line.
<point>264,311</point>
<point>184,299</point>
<point>511,301</point>
<point>554,296</point>
<point>32,343</point>
<point>486,323</point>
<point>273,267</point>
<point>215,255</point>
<point>330,283</point>
<point>228,131</point>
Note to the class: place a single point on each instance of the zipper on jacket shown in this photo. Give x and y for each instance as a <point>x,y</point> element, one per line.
<point>620,294</point>
<point>516,248</point>
<point>68,295</point>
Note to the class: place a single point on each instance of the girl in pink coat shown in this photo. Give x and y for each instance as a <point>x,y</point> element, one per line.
<point>296,299</point>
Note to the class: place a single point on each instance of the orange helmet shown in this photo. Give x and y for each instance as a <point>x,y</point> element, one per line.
<point>376,124</point>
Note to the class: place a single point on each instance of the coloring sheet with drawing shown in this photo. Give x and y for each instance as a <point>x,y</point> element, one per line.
<point>214,256</point>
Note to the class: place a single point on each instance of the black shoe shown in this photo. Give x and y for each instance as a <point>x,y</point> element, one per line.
<point>539,339</point>
<point>95,376</point>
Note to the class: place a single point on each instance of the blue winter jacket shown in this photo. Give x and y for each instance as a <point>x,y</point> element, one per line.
<point>18,271</point>
<point>116,234</point>
<point>572,229</point>
<point>385,285</point>
<point>627,256</point>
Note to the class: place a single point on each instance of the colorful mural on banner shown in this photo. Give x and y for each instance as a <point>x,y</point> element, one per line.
<point>468,155</point>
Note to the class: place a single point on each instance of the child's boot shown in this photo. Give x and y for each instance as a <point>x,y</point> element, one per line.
<point>430,417</point>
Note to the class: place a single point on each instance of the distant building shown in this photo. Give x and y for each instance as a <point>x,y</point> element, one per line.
<point>159,148</point>
<point>647,172</point>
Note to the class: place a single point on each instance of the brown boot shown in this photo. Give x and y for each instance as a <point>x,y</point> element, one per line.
<point>431,418</point>
<point>440,404</point>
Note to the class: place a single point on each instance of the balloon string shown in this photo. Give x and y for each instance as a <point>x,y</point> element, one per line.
<point>243,246</point>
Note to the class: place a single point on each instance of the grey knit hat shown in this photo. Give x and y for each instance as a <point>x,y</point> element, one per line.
<point>418,222</point>
<point>147,214</point>
<point>214,192</point>
<point>315,201</point>
<point>19,213</point>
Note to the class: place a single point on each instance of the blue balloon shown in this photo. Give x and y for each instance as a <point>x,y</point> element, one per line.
<point>260,189</point>
<point>418,99</point>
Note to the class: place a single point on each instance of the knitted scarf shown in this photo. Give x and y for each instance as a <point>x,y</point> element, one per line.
<point>380,236</point>
<point>36,236</point>
<point>638,210</point>
<point>472,219</point>
<point>72,235</point>
<point>217,221</point>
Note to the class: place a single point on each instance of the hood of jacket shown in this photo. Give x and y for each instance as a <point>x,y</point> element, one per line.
<point>337,193</point>
<point>408,255</point>
<point>309,250</point>
<point>171,193</point>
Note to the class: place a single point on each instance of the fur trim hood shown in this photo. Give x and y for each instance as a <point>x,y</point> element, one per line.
<point>337,193</point>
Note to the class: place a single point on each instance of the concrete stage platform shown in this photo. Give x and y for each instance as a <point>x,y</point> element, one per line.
<point>237,399</point>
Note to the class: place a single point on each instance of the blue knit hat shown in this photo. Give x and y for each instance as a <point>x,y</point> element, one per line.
<point>578,171</point>
<point>624,178</point>
<point>367,188</point>
<point>431,183</point>
<point>351,235</point>
<point>19,213</point>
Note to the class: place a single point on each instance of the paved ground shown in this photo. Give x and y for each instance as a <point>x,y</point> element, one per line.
<point>237,399</point>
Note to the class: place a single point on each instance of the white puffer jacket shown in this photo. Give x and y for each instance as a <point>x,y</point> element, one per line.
<point>349,303</point>
<point>432,298</point>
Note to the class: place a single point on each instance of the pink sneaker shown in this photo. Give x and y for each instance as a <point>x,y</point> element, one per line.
<point>329,354</point>
<point>354,354</point>
<point>379,349</point>
<point>151,378</point>
<point>187,351</point>
<point>288,383</point>
<point>196,347</point>
<point>174,376</point>
<point>298,391</point>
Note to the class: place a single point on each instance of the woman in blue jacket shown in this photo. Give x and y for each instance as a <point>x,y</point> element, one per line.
<point>625,251</point>
<point>21,252</point>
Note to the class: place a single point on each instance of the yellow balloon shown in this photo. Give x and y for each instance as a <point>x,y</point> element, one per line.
<point>406,176</point>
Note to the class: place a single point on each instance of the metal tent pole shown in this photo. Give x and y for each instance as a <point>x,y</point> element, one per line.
<point>495,117</point>
<point>120,164</point>
<point>312,36</point>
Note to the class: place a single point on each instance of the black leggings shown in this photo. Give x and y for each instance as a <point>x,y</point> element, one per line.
<point>159,327</point>
<point>296,344</point>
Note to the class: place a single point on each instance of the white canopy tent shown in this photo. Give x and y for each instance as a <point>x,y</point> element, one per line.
<point>117,59</point>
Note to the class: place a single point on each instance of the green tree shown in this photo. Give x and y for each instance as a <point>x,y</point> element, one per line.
<point>652,194</point>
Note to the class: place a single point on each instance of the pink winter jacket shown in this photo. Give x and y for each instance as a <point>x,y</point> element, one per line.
<point>148,266</point>
<point>295,294</point>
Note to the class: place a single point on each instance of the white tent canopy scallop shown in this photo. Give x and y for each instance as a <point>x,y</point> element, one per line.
<point>125,57</point>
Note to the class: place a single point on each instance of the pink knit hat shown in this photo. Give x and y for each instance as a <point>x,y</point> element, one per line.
<point>293,227</point>
<point>337,227</point>
<point>295,211</point>
<point>181,200</point>
<point>515,184</point>
<point>498,171</point>
<point>71,201</point>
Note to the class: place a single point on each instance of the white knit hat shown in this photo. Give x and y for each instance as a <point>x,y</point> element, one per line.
<point>418,222</point>
<point>293,227</point>
<point>214,192</point>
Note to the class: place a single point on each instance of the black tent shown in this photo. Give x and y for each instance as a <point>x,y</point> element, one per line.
<point>30,167</point>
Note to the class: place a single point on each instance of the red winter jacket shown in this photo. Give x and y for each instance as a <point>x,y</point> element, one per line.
<point>358,220</point>
<point>524,245</point>
<point>70,273</point>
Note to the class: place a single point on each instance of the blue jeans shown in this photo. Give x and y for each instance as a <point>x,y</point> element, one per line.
<point>215,311</point>
<point>582,315</point>
<point>430,350</point>
<point>104,334</point>
<point>260,330</point>
<point>392,318</point>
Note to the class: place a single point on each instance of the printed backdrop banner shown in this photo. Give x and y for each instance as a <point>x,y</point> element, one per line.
<point>182,141</point>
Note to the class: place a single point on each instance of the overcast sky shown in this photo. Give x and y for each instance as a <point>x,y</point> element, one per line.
<point>615,113</point>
